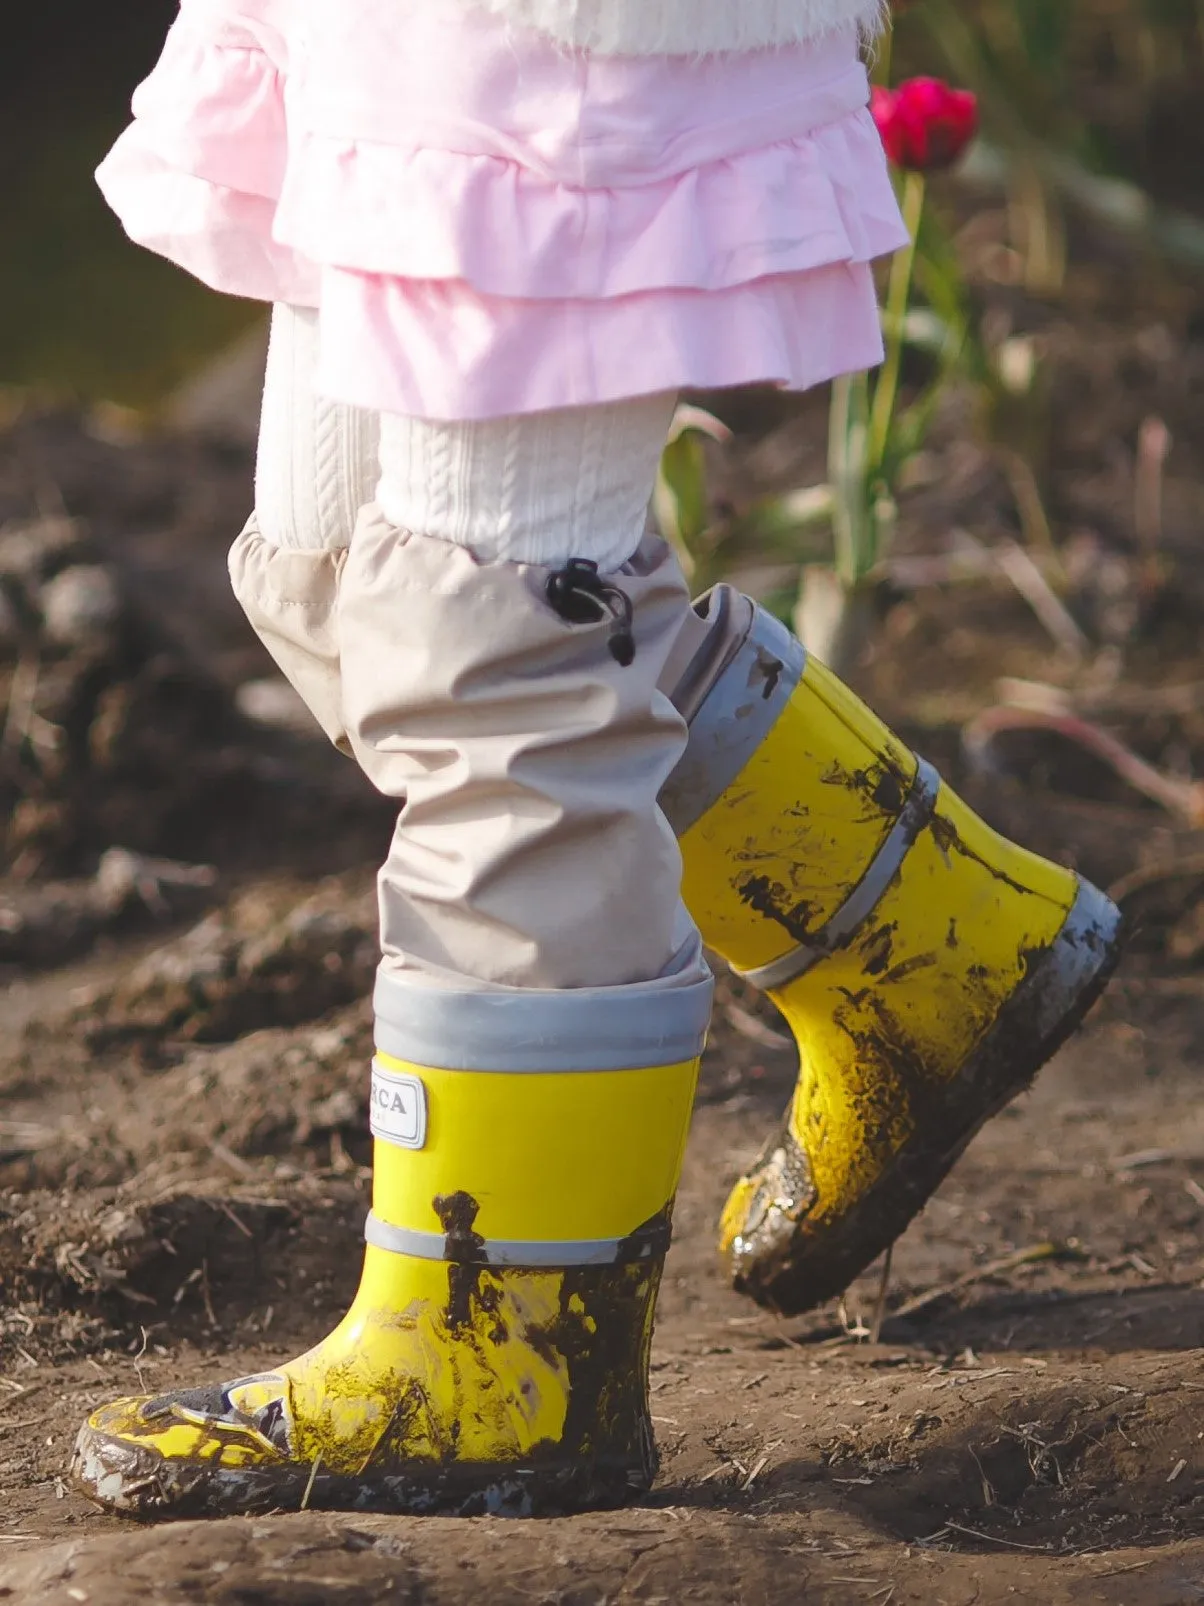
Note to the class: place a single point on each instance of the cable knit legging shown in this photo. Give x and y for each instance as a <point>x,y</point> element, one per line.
<point>539,489</point>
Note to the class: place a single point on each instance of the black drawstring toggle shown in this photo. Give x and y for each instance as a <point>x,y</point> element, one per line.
<point>581,596</point>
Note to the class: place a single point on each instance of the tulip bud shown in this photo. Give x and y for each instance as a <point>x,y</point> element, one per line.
<point>925,123</point>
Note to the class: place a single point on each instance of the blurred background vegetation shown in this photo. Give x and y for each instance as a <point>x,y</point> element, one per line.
<point>82,314</point>
<point>1082,202</point>
<point>1018,553</point>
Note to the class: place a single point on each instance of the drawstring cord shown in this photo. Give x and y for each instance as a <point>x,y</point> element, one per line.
<point>580,595</point>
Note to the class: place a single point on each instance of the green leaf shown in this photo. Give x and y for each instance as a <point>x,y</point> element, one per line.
<point>681,501</point>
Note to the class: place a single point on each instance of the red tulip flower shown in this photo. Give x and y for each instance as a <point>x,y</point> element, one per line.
<point>925,123</point>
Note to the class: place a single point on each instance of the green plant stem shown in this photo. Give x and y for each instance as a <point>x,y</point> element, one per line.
<point>886,392</point>
<point>852,535</point>
<point>883,50</point>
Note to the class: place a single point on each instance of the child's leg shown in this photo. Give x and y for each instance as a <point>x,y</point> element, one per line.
<point>575,483</point>
<point>927,966</point>
<point>564,873</point>
<point>316,467</point>
<point>317,462</point>
<point>540,1011</point>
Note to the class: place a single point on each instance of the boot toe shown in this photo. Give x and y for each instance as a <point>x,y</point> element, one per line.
<point>156,1456</point>
<point>120,1466</point>
<point>791,1247</point>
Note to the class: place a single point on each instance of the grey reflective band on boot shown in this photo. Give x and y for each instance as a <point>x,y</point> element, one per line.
<point>649,1243</point>
<point>866,895</point>
<point>727,616</point>
<point>518,1032</point>
<point>736,716</point>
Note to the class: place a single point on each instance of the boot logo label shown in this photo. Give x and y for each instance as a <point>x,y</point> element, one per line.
<point>398,1108</point>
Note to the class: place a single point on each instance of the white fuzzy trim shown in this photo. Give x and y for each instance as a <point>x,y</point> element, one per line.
<point>680,27</point>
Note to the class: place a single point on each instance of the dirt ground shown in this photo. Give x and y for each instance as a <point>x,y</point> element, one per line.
<point>1032,1429</point>
<point>183,1046</point>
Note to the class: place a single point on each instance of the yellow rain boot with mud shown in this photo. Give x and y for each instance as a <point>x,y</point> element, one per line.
<point>495,1359</point>
<point>927,966</point>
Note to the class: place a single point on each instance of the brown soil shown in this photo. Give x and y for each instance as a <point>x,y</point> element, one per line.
<point>183,1148</point>
<point>1035,1430</point>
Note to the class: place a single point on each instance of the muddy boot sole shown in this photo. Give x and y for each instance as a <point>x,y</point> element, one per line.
<point>136,1481</point>
<point>793,1266</point>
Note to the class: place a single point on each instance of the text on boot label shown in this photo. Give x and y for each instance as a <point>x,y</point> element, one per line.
<point>398,1108</point>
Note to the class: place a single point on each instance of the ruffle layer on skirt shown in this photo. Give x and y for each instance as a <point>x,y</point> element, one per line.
<point>516,227</point>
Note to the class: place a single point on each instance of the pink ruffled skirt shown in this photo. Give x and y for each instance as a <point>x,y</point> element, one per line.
<point>489,224</point>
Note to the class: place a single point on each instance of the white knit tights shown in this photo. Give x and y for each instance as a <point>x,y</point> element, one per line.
<point>318,460</point>
<point>537,489</point>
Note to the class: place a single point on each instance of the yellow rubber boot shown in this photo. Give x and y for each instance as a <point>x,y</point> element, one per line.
<point>495,1359</point>
<point>927,966</point>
